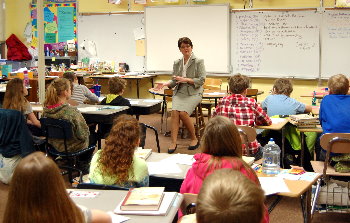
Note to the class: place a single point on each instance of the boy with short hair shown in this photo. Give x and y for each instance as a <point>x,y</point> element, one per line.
<point>241,109</point>
<point>229,196</point>
<point>334,110</point>
<point>116,86</point>
<point>79,92</point>
<point>280,102</point>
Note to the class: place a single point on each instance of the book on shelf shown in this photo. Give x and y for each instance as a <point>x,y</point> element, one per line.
<point>143,199</point>
<point>143,153</point>
<point>165,205</point>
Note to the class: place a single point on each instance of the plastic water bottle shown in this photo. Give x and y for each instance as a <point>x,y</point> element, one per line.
<point>313,102</point>
<point>271,158</point>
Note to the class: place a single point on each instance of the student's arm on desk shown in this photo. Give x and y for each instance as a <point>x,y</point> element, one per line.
<point>98,216</point>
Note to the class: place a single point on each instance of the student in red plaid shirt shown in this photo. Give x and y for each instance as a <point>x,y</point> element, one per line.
<point>241,109</point>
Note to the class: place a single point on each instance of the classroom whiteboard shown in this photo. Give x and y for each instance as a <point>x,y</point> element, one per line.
<point>206,25</point>
<point>276,43</point>
<point>113,36</point>
<point>335,43</point>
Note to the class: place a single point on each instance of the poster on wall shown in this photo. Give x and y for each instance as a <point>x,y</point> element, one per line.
<point>55,1</point>
<point>59,24</point>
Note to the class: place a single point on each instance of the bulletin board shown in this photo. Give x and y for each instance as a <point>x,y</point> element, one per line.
<point>59,23</point>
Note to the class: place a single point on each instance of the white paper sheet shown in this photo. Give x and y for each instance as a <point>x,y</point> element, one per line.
<point>151,100</point>
<point>88,109</point>
<point>179,159</point>
<point>133,102</point>
<point>277,120</point>
<point>162,168</point>
<point>273,185</point>
<point>117,218</point>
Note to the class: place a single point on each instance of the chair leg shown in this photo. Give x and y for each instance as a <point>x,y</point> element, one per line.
<point>314,201</point>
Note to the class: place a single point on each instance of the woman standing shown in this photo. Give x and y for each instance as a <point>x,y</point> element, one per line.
<point>188,79</point>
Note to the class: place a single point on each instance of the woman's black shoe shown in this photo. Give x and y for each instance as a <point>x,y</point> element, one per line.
<point>194,147</point>
<point>170,151</point>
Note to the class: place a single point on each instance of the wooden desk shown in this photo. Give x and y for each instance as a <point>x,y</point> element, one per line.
<point>301,189</point>
<point>127,77</point>
<point>277,124</point>
<point>108,200</point>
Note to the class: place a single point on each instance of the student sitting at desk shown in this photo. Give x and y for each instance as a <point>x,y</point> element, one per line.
<point>280,103</point>
<point>15,99</point>
<point>242,110</point>
<point>116,163</point>
<point>56,106</point>
<point>223,199</point>
<point>38,194</point>
<point>80,92</point>
<point>221,148</point>
<point>116,86</point>
<point>334,109</point>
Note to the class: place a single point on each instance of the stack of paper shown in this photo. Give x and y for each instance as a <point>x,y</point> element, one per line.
<point>304,121</point>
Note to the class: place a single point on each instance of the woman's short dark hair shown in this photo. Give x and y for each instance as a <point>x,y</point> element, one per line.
<point>184,40</point>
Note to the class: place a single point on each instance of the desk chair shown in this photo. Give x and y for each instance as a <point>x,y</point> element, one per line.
<point>336,143</point>
<point>252,93</point>
<point>168,93</point>
<point>144,128</point>
<point>62,129</point>
<point>248,135</point>
<point>210,84</point>
<point>188,205</point>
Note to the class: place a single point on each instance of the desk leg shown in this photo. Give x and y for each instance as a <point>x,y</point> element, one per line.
<point>138,88</point>
<point>302,151</point>
<point>162,116</point>
<point>152,83</point>
<point>274,203</point>
<point>283,145</point>
<point>306,205</point>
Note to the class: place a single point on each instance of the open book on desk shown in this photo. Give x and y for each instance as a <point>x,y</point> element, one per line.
<point>167,202</point>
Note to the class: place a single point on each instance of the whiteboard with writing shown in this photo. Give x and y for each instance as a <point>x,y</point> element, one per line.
<point>276,43</point>
<point>335,54</point>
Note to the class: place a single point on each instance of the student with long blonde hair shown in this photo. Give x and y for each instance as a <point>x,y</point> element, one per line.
<point>15,99</point>
<point>38,194</point>
<point>116,163</point>
<point>56,106</point>
<point>221,148</point>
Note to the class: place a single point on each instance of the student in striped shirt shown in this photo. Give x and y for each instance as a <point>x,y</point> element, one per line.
<point>80,92</point>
